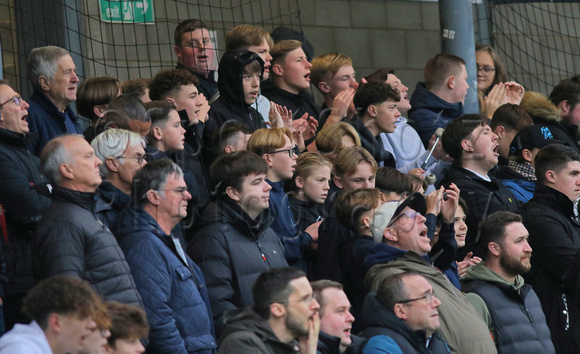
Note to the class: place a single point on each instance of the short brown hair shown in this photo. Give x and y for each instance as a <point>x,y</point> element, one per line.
<point>511,117</point>
<point>318,287</point>
<point>96,91</point>
<point>65,295</point>
<point>128,322</point>
<point>440,67</point>
<point>349,158</point>
<point>265,141</point>
<point>167,83</point>
<point>136,87</point>
<point>351,206</point>
<point>244,36</point>
<point>186,26</point>
<point>281,49</point>
<point>328,63</point>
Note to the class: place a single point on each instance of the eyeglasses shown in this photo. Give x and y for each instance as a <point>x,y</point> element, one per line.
<point>16,99</point>
<point>485,70</point>
<point>139,158</point>
<point>181,190</point>
<point>428,298</point>
<point>307,299</point>
<point>411,214</point>
<point>291,152</point>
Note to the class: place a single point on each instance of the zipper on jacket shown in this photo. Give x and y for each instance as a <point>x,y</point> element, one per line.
<point>565,312</point>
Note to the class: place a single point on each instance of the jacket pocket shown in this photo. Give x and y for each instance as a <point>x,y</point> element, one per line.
<point>183,272</point>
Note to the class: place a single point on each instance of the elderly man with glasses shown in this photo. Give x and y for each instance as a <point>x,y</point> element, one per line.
<point>404,247</point>
<point>171,284</point>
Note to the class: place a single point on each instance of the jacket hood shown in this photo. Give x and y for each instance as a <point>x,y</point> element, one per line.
<point>540,108</point>
<point>423,98</point>
<point>481,272</point>
<point>230,72</point>
<point>224,210</point>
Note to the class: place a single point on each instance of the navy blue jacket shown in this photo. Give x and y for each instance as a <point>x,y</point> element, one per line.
<point>173,292</point>
<point>285,227</point>
<point>429,112</point>
<point>45,119</point>
<point>112,201</point>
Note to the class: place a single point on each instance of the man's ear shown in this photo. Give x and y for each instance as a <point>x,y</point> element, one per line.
<point>112,164</point>
<point>494,248</point>
<point>390,234</point>
<point>467,145</point>
<point>54,322</point>
<point>550,176</point>
<point>233,194</point>
<point>177,50</point>
<point>44,83</point>
<point>564,107</point>
<point>527,155</point>
<point>450,82</point>
<point>277,310</point>
<point>278,69</point>
<point>500,131</point>
<point>228,149</point>
<point>66,171</point>
<point>323,87</point>
<point>337,182</point>
<point>400,311</point>
<point>153,197</point>
<point>157,132</point>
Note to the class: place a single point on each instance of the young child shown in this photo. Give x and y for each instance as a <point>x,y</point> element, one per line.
<point>128,326</point>
<point>354,211</point>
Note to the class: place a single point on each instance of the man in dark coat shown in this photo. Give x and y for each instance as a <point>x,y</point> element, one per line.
<point>403,315</point>
<point>233,242</point>
<point>24,197</point>
<point>49,113</point>
<point>474,149</point>
<point>551,217</point>
<point>70,239</point>
<point>284,318</point>
<point>170,283</point>
<point>496,288</point>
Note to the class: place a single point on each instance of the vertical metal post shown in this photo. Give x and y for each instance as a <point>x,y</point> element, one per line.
<point>456,19</point>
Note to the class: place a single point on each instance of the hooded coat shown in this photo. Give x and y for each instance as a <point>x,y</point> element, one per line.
<point>376,320</point>
<point>232,250</point>
<point>555,240</point>
<point>173,290</point>
<point>461,326</point>
<point>300,103</point>
<point>429,112</point>
<point>247,332</point>
<point>517,321</point>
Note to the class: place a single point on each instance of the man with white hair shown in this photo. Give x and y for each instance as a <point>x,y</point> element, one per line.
<point>53,76</point>
<point>122,154</point>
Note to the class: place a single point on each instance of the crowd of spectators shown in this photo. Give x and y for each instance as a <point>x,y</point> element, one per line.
<point>216,208</point>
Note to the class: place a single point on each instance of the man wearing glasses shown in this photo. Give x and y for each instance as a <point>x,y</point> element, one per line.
<point>402,317</point>
<point>510,308</point>
<point>122,154</point>
<point>195,52</point>
<point>171,284</point>
<point>404,248</point>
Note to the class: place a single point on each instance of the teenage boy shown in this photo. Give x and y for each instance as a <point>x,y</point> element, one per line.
<point>277,148</point>
<point>290,79</point>
<point>233,242</point>
<point>474,149</point>
<point>180,87</point>
<point>128,326</point>
<point>257,40</point>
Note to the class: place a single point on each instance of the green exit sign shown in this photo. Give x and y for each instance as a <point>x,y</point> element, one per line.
<point>127,11</point>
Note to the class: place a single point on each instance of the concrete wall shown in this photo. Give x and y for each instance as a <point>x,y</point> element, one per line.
<point>400,35</point>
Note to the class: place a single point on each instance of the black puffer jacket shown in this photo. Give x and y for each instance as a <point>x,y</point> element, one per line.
<point>21,184</point>
<point>232,250</point>
<point>71,240</point>
<point>555,240</point>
